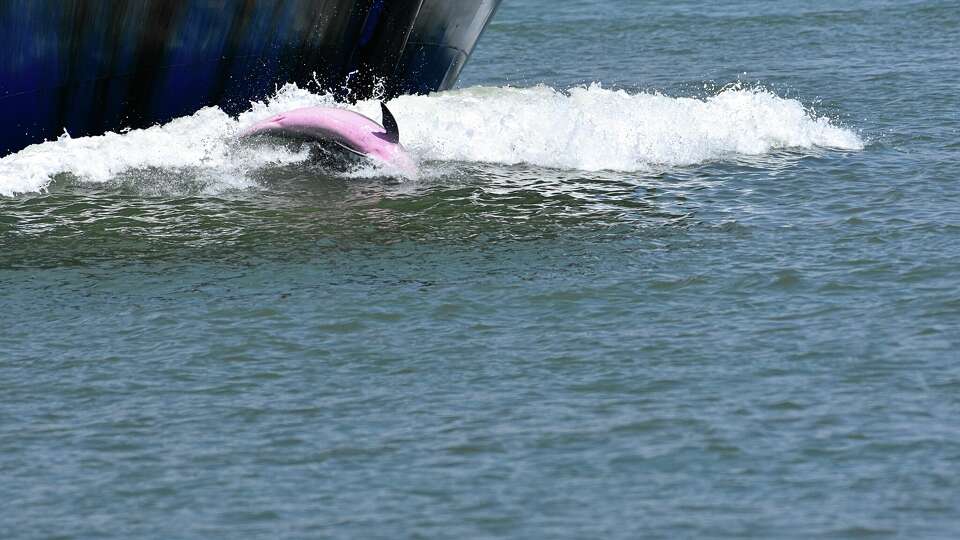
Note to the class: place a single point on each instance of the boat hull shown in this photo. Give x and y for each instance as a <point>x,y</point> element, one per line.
<point>91,66</point>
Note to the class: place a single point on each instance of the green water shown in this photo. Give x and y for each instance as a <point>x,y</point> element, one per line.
<point>714,342</point>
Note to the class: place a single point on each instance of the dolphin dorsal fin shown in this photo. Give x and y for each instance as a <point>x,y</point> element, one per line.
<point>390,124</point>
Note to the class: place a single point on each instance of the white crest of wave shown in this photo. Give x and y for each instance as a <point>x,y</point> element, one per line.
<point>588,128</point>
<point>201,140</point>
<point>594,128</point>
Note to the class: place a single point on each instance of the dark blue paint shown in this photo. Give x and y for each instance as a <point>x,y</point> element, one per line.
<point>372,19</point>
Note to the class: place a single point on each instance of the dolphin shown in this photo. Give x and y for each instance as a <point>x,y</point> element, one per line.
<point>351,131</point>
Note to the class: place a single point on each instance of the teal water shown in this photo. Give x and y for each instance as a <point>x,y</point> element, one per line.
<point>715,295</point>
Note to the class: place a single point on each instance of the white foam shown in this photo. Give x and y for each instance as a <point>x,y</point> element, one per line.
<point>599,129</point>
<point>588,128</point>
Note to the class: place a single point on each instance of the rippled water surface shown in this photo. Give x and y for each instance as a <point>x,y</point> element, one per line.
<point>666,271</point>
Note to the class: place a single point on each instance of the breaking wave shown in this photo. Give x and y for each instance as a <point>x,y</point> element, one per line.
<point>588,128</point>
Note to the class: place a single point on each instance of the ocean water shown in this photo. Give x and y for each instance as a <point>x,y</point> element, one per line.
<point>685,270</point>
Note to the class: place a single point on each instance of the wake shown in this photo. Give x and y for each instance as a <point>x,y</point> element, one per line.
<point>588,128</point>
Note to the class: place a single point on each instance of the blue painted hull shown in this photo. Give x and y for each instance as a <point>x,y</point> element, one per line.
<point>91,66</point>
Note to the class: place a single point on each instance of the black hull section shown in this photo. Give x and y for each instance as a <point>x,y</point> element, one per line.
<point>91,66</point>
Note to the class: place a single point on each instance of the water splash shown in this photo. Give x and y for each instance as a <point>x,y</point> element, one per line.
<point>593,128</point>
<point>589,128</point>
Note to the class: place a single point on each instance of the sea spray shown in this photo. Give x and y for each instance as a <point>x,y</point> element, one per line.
<point>587,128</point>
<point>593,128</point>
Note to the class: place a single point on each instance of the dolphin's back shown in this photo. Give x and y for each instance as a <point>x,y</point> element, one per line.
<point>333,117</point>
<point>352,130</point>
<point>322,123</point>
